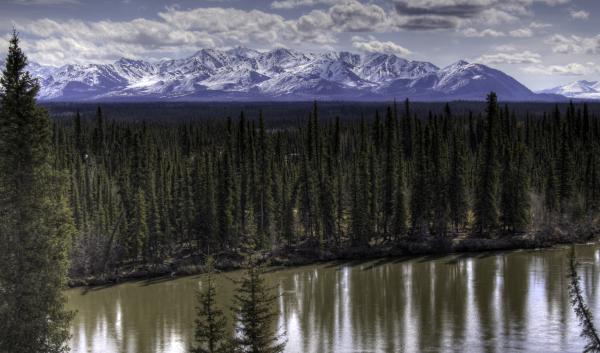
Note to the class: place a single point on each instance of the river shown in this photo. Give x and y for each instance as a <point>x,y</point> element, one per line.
<point>489,302</point>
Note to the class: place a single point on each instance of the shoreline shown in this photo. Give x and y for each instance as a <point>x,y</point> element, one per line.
<point>302,256</point>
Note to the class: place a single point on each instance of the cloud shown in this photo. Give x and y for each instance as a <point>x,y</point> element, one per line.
<point>484,11</point>
<point>521,33</point>
<point>525,57</point>
<point>375,46</point>
<point>353,16</point>
<point>506,48</point>
<point>425,23</point>
<point>468,16</point>
<point>579,14</point>
<point>291,4</point>
<point>574,44</point>
<point>525,32</point>
<point>473,33</point>
<point>43,2</point>
<point>572,69</point>
<point>496,16</point>
<point>182,31</point>
<point>539,25</point>
<point>457,8</point>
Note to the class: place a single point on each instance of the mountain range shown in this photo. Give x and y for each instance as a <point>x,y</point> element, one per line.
<point>279,74</point>
<point>579,89</point>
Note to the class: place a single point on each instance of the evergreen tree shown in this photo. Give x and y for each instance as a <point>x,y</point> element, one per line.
<point>400,214</point>
<point>439,182</point>
<point>389,188</point>
<point>582,311</point>
<point>551,191</point>
<point>255,314</point>
<point>35,221</point>
<point>210,335</point>
<point>265,197</point>
<point>419,198</point>
<point>565,190</point>
<point>486,209</point>
<point>457,185</point>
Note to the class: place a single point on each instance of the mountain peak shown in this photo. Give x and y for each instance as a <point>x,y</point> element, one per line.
<point>581,89</point>
<point>461,62</point>
<point>587,83</point>
<point>124,60</point>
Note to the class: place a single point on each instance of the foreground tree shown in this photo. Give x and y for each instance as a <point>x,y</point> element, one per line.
<point>254,310</point>
<point>35,222</point>
<point>210,334</point>
<point>582,311</point>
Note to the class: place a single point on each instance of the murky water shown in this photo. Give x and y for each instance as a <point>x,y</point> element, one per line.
<point>492,302</point>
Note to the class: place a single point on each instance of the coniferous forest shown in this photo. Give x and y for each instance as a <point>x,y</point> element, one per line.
<point>151,192</point>
<point>97,199</point>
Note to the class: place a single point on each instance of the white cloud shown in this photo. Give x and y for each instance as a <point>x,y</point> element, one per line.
<point>574,44</point>
<point>473,33</point>
<point>183,31</point>
<point>505,48</point>
<point>525,57</point>
<point>579,14</point>
<point>291,4</point>
<point>539,25</point>
<point>521,33</point>
<point>494,16</point>
<point>572,69</point>
<point>353,16</point>
<point>375,46</point>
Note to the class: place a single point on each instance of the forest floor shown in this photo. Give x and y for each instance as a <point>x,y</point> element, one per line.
<point>190,263</point>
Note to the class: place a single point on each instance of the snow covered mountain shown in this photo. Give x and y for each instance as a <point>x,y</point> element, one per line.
<point>279,74</point>
<point>579,89</point>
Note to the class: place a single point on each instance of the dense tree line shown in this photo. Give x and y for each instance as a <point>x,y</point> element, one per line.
<point>145,191</point>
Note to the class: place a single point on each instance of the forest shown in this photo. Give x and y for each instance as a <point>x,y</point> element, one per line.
<point>98,197</point>
<point>149,192</point>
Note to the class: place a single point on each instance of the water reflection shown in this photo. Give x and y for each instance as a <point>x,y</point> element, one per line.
<point>512,301</point>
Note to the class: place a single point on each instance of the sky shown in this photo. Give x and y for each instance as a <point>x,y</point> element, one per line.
<point>542,43</point>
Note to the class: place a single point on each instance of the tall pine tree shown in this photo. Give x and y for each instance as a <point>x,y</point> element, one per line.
<point>35,222</point>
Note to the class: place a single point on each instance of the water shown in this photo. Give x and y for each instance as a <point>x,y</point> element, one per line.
<point>492,302</point>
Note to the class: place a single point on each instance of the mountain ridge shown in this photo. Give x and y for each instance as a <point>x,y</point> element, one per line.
<point>277,75</point>
<point>581,89</point>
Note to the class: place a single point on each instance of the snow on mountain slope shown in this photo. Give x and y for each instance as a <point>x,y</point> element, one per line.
<point>460,80</point>
<point>383,67</point>
<point>466,80</point>
<point>581,89</point>
<point>282,74</point>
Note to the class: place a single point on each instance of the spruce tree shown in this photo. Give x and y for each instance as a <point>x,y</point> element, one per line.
<point>551,189</point>
<point>210,334</point>
<point>565,180</point>
<point>35,221</point>
<point>400,213</point>
<point>420,196</point>
<point>457,184</point>
<point>255,313</point>
<point>389,186</point>
<point>486,209</point>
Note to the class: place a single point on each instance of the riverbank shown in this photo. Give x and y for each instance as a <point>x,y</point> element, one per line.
<point>307,254</point>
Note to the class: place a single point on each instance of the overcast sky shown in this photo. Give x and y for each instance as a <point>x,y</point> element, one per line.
<point>542,43</point>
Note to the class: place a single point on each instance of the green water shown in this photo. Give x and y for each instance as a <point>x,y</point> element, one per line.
<point>493,302</point>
